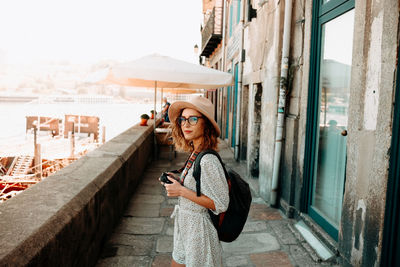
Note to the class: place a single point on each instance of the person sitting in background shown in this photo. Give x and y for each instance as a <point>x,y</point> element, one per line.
<point>165,109</point>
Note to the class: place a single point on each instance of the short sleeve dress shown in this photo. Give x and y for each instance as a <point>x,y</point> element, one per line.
<point>196,240</point>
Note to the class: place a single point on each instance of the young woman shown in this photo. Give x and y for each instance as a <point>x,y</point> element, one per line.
<point>196,240</point>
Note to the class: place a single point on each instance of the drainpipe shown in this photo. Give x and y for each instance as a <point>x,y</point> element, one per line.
<point>223,66</point>
<point>240,73</point>
<point>282,100</point>
<point>161,105</point>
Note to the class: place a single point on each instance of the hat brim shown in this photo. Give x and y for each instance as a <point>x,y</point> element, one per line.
<point>175,110</point>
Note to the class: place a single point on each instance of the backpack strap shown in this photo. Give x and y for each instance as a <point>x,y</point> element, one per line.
<point>197,167</point>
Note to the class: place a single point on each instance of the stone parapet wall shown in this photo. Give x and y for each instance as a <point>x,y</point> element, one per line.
<point>65,219</point>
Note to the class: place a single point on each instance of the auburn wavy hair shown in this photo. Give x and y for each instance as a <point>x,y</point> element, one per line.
<point>210,137</point>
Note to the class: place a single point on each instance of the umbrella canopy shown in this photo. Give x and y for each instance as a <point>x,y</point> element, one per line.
<point>105,76</point>
<point>164,72</point>
<point>167,72</point>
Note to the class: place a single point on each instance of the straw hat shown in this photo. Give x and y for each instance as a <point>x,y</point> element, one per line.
<point>201,104</point>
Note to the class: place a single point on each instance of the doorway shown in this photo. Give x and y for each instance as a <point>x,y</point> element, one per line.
<point>254,130</point>
<point>244,107</point>
<point>327,115</point>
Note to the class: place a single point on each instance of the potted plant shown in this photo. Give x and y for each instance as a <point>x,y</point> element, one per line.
<point>153,113</point>
<point>144,118</point>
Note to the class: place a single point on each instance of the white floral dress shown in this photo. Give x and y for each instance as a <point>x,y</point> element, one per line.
<point>196,242</point>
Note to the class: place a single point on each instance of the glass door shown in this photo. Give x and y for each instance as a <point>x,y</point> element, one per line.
<point>328,115</point>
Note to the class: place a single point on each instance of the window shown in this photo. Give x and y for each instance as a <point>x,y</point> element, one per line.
<point>329,90</point>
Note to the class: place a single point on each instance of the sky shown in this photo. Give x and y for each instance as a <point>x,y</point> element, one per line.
<point>339,49</point>
<point>89,31</point>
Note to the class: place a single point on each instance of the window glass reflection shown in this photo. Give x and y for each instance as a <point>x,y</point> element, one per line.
<point>334,88</point>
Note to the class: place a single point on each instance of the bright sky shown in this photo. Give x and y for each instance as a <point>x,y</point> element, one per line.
<point>340,49</point>
<point>87,31</point>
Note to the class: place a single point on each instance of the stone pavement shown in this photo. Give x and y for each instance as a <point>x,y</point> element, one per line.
<point>144,234</point>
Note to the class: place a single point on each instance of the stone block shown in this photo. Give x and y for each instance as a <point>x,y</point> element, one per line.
<point>251,243</point>
<point>300,256</point>
<point>131,251</point>
<point>311,252</point>
<point>170,221</point>
<point>150,189</point>
<point>166,211</point>
<point>124,261</point>
<point>263,212</point>
<point>236,261</point>
<point>164,162</point>
<point>131,245</point>
<point>141,226</point>
<point>146,198</point>
<point>162,260</point>
<point>258,200</point>
<point>283,232</point>
<point>137,209</point>
<point>164,244</point>
<point>170,230</point>
<point>274,258</point>
<point>256,226</point>
<point>151,178</point>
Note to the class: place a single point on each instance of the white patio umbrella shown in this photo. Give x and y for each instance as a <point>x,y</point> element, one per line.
<point>168,73</point>
<point>164,72</point>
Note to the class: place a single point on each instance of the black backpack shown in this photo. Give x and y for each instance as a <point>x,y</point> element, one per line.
<point>230,223</point>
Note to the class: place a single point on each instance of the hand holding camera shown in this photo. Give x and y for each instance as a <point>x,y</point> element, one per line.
<point>171,184</point>
<point>163,178</point>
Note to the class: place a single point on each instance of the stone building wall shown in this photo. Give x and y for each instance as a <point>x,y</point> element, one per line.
<point>370,128</point>
<point>370,115</point>
<point>370,118</point>
<point>262,65</point>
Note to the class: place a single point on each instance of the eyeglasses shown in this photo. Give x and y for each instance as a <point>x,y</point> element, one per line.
<point>193,120</point>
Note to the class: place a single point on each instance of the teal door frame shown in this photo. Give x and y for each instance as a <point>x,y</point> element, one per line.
<point>321,15</point>
<point>239,5</point>
<point>391,234</point>
<point>228,96</point>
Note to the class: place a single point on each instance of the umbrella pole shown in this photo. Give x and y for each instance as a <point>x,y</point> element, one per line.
<point>155,119</point>
<point>162,89</point>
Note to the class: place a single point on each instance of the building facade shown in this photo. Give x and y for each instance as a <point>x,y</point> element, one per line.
<point>312,113</point>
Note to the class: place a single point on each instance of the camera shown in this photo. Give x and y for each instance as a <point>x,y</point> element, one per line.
<point>164,179</point>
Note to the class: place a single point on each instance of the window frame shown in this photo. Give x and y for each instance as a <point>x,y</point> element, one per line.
<point>321,14</point>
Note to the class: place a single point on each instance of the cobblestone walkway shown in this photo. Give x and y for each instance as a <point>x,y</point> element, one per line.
<point>144,235</point>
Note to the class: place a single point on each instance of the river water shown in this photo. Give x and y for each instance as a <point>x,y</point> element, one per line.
<point>116,117</point>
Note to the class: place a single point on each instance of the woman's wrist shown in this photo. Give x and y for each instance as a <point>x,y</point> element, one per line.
<point>183,191</point>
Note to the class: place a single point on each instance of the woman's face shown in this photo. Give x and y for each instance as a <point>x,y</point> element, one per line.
<point>192,132</point>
